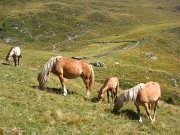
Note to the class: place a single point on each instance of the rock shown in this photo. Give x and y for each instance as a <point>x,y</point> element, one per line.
<point>99,64</point>
<point>152,56</point>
<point>77,58</point>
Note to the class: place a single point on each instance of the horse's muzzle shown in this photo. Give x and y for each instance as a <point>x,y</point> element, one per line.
<point>41,87</point>
<point>115,110</point>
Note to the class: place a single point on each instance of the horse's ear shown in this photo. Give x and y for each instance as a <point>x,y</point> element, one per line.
<point>57,60</point>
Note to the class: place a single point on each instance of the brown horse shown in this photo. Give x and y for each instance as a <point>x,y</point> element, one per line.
<point>112,85</point>
<point>14,52</point>
<point>68,68</point>
<point>146,95</point>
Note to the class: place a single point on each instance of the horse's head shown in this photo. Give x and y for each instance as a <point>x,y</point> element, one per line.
<point>118,102</point>
<point>100,96</point>
<point>40,80</point>
<point>7,60</point>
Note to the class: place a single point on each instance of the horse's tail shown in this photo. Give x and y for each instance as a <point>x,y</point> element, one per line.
<point>117,84</point>
<point>117,87</point>
<point>91,78</point>
<point>20,56</point>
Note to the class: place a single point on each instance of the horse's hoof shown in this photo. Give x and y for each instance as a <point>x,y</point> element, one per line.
<point>152,122</point>
<point>86,96</point>
<point>64,94</point>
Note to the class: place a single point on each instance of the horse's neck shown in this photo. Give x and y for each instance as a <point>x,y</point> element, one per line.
<point>11,52</point>
<point>48,67</point>
<point>126,95</point>
<point>105,87</point>
<point>131,94</point>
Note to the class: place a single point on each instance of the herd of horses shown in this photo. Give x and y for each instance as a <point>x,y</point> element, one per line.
<point>146,95</point>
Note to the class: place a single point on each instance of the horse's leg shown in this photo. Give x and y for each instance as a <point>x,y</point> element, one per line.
<point>146,106</point>
<point>112,95</point>
<point>149,106</point>
<point>116,91</point>
<point>18,60</point>
<point>108,96</point>
<point>155,106</point>
<point>87,81</point>
<point>64,91</point>
<point>14,57</point>
<point>138,110</point>
<point>87,89</point>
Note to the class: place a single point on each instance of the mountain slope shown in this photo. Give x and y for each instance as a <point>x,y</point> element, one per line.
<point>137,41</point>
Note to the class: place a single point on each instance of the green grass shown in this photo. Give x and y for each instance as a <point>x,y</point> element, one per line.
<point>94,28</point>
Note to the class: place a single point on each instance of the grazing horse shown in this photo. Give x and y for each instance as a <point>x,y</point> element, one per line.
<point>64,67</point>
<point>14,52</point>
<point>146,95</point>
<point>112,85</point>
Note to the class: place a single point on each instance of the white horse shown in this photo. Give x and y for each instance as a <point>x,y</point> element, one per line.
<point>14,52</point>
<point>146,95</point>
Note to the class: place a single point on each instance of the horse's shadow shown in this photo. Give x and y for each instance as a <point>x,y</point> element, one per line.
<point>48,89</point>
<point>94,99</point>
<point>55,90</point>
<point>5,63</point>
<point>130,114</point>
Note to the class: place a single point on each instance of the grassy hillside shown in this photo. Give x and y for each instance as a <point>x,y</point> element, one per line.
<point>138,41</point>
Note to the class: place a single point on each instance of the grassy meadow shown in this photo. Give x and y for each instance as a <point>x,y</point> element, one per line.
<point>124,35</point>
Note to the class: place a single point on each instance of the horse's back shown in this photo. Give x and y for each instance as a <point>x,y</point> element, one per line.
<point>113,82</point>
<point>114,79</point>
<point>17,51</point>
<point>109,83</point>
<point>68,63</point>
<point>153,88</point>
<point>72,68</point>
<point>150,93</point>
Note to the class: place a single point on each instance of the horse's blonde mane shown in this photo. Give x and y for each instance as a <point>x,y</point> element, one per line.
<point>131,94</point>
<point>47,68</point>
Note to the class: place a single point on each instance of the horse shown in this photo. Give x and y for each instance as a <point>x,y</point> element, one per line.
<point>14,52</point>
<point>112,85</point>
<point>68,68</point>
<point>146,95</point>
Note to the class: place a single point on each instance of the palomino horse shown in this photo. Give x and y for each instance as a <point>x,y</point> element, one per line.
<point>146,95</point>
<point>112,85</point>
<point>15,53</point>
<point>68,68</point>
